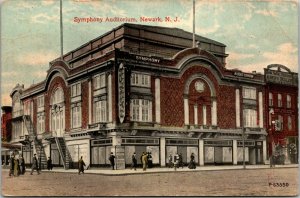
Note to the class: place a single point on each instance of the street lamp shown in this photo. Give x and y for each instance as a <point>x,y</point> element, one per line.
<point>271,122</point>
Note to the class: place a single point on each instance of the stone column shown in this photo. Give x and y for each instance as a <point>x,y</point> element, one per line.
<point>214,113</point>
<point>234,152</point>
<point>186,111</point>
<point>162,151</point>
<point>237,108</point>
<point>109,98</point>
<point>196,115</point>
<point>201,152</point>
<point>264,151</point>
<point>260,109</point>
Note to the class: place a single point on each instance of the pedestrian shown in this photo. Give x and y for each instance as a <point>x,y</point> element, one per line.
<point>11,165</point>
<point>192,164</point>
<point>144,159</point>
<point>149,159</point>
<point>16,167</point>
<point>134,161</point>
<point>81,165</point>
<point>170,164</point>
<point>112,160</point>
<point>49,164</point>
<point>180,161</point>
<point>34,165</point>
<point>176,161</point>
<point>22,165</point>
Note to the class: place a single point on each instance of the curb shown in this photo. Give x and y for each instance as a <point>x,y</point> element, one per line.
<point>164,171</point>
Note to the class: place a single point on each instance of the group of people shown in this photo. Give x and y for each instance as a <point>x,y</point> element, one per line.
<point>146,160</point>
<point>17,165</point>
<point>177,161</point>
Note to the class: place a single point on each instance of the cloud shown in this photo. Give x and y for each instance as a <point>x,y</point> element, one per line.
<point>102,7</point>
<point>44,18</point>
<point>253,46</point>
<point>286,54</point>
<point>36,58</point>
<point>40,74</point>
<point>6,100</point>
<point>208,30</point>
<point>48,2</point>
<point>9,74</point>
<point>266,12</point>
<point>233,56</point>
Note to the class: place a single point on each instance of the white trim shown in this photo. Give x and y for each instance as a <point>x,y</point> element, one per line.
<point>234,152</point>
<point>260,107</point>
<point>186,111</point>
<point>204,115</point>
<point>264,150</point>
<point>237,108</point>
<point>157,100</point>
<point>214,113</point>
<point>109,100</point>
<point>162,151</point>
<point>201,152</point>
<point>196,115</point>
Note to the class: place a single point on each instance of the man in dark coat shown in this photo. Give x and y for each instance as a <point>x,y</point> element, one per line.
<point>149,160</point>
<point>180,163</point>
<point>81,165</point>
<point>49,164</point>
<point>134,161</point>
<point>34,165</point>
<point>22,165</point>
<point>112,160</point>
<point>11,165</point>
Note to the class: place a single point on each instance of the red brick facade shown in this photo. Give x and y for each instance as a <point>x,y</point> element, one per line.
<point>6,123</point>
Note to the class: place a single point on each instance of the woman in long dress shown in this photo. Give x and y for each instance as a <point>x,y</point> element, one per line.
<point>16,167</point>
<point>192,164</point>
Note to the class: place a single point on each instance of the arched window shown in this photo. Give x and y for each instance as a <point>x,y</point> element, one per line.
<point>270,99</point>
<point>57,125</point>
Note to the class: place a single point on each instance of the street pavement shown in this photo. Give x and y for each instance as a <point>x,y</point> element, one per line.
<point>256,180</point>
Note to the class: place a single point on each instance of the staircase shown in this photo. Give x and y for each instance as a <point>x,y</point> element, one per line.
<point>40,152</point>
<point>63,151</point>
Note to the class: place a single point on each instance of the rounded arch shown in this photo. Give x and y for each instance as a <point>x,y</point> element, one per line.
<point>187,57</point>
<point>279,67</point>
<point>204,78</point>
<point>57,96</point>
<point>61,72</point>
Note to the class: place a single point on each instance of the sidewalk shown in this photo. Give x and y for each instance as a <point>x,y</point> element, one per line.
<point>128,171</point>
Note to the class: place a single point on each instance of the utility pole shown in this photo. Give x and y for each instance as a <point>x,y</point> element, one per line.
<point>243,136</point>
<point>194,23</point>
<point>61,31</point>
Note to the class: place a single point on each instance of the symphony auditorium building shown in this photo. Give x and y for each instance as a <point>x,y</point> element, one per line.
<point>141,88</point>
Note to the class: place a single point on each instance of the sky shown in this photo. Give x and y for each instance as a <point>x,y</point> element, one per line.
<point>256,33</point>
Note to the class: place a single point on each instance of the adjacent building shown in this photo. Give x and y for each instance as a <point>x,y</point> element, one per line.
<point>282,112</point>
<point>142,89</point>
<point>6,131</point>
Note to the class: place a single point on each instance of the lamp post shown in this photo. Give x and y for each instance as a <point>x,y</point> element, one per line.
<point>271,122</point>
